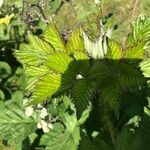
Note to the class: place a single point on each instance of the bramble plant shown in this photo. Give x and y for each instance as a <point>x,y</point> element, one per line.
<point>99,76</point>
<point>81,93</point>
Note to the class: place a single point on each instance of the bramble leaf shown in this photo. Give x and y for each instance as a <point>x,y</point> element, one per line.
<point>68,137</point>
<point>15,125</point>
<point>52,36</point>
<point>75,42</point>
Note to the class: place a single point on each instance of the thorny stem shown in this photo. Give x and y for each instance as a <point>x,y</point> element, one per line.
<point>109,125</point>
<point>111,130</point>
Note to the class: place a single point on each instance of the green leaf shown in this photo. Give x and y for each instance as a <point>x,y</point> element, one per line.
<point>39,71</point>
<point>144,131</point>
<point>100,70</point>
<point>14,125</point>
<point>50,138</point>
<point>18,97</point>
<point>82,63</point>
<point>34,74</point>
<point>110,93</point>
<point>59,106</point>
<point>47,86</point>
<point>28,56</point>
<point>104,145</point>
<point>5,69</point>
<point>96,143</point>
<point>31,83</point>
<point>35,52</point>
<point>115,50</point>
<point>87,144</point>
<point>147,111</point>
<point>69,77</point>
<point>52,36</point>
<point>141,28</point>
<point>126,140</point>
<point>84,116</point>
<point>32,137</point>
<point>79,55</point>
<point>75,42</point>
<point>130,76</point>
<point>2,95</point>
<point>145,67</point>
<point>82,92</point>
<point>136,51</point>
<point>39,45</point>
<point>68,137</point>
<point>59,62</point>
<point>64,103</point>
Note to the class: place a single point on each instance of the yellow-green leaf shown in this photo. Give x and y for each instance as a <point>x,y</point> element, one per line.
<point>34,53</point>
<point>145,67</point>
<point>75,42</point>
<point>115,50</point>
<point>80,55</point>
<point>40,45</point>
<point>52,36</point>
<point>46,87</point>
<point>36,71</point>
<point>136,51</point>
<point>59,62</point>
<point>27,56</point>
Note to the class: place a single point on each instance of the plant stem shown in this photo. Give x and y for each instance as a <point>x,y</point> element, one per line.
<point>111,132</point>
<point>110,129</point>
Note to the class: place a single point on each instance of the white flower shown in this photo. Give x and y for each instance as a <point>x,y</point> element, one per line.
<point>29,111</point>
<point>43,113</point>
<point>45,129</point>
<point>50,125</point>
<point>43,123</point>
<point>79,76</point>
<point>97,2</point>
<point>25,101</point>
<point>39,106</point>
<point>39,126</point>
<point>1,3</point>
<point>44,126</point>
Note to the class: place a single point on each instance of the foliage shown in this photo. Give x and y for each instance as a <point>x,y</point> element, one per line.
<point>64,68</point>
<point>15,126</point>
<point>72,71</point>
<point>68,137</point>
<point>82,89</point>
